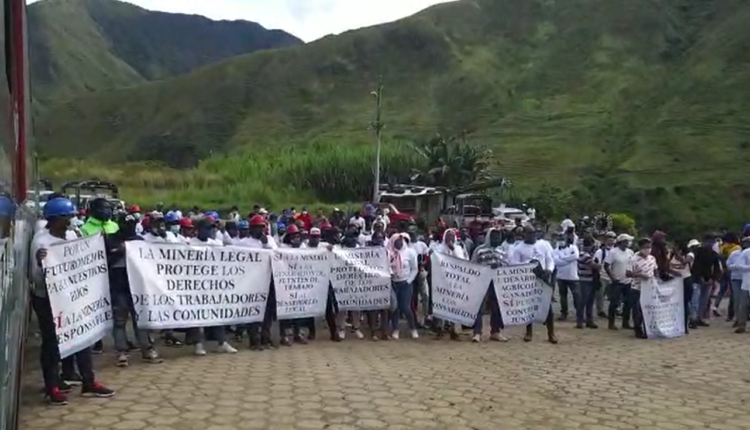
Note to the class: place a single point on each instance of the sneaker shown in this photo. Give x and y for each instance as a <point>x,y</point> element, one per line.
<point>72,379</point>
<point>65,388</point>
<point>96,390</point>
<point>122,360</point>
<point>602,315</point>
<point>498,337</point>
<point>740,330</point>
<point>299,339</point>
<point>56,398</point>
<point>591,325</point>
<point>394,335</point>
<point>414,334</point>
<point>98,348</point>
<point>476,338</point>
<point>200,350</point>
<point>716,312</point>
<point>342,334</point>
<point>151,356</point>
<point>579,325</point>
<point>358,333</point>
<point>226,348</point>
<point>133,347</point>
<point>562,317</point>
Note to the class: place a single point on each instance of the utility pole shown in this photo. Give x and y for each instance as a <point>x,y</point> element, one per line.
<point>378,127</point>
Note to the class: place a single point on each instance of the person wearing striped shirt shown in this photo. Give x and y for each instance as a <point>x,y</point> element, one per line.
<point>586,267</point>
<point>643,270</point>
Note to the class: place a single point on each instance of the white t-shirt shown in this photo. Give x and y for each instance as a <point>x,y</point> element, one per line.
<point>209,242</point>
<point>599,260</point>
<point>169,238</point>
<point>421,248</point>
<point>566,224</point>
<point>358,221</point>
<point>523,253</point>
<point>619,263</point>
<point>566,261</point>
<point>642,266</point>
<point>42,240</point>
<point>409,266</point>
<point>251,242</point>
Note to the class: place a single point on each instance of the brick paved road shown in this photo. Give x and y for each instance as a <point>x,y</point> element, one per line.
<point>592,380</point>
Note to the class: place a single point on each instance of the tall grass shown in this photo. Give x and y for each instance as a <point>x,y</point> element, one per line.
<point>324,173</point>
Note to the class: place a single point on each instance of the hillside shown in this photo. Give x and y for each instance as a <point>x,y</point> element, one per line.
<point>652,92</point>
<point>79,46</point>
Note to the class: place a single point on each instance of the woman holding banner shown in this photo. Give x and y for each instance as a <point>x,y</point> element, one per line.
<point>448,247</point>
<point>404,269</point>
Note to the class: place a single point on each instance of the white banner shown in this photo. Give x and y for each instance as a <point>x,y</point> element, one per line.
<point>361,279</point>
<point>301,280</point>
<point>182,286</point>
<point>77,281</point>
<point>523,298</point>
<point>663,306</point>
<point>458,288</point>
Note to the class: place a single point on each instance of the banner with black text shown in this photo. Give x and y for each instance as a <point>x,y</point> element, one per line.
<point>184,286</point>
<point>361,278</point>
<point>523,297</point>
<point>663,307</point>
<point>300,278</point>
<point>458,288</point>
<point>77,281</point>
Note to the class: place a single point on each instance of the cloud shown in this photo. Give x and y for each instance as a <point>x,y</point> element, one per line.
<point>306,19</point>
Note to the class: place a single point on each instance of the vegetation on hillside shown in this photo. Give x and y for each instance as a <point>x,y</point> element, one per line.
<point>79,46</point>
<point>632,106</point>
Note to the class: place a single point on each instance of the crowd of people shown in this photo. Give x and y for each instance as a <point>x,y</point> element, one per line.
<point>589,266</point>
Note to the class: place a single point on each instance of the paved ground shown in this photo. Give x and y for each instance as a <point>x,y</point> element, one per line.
<point>592,380</point>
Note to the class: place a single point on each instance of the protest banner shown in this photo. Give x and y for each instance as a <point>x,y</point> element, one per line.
<point>663,308</point>
<point>77,279</point>
<point>458,288</point>
<point>523,297</point>
<point>183,286</point>
<point>361,279</point>
<point>300,278</point>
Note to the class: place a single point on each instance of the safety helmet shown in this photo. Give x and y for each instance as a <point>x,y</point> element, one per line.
<point>186,223</point>
<point>212,214</point>
<point>59,207</point>
<point>257,221</point>
<point>326,226</point>
<point>7,207</point>
<point>134,209</point>
<point>171,217</point>
<point>243,225</point>
<point>292,229</point>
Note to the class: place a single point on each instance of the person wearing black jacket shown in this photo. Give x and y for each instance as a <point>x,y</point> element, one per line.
<point>122,299</point>
<point>706,270</point>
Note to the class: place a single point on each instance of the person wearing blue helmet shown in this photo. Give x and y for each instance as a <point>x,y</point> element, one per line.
<point>172,221</point>
<point>243,229</point>
<point>58,212</point>
<point>7,213</point>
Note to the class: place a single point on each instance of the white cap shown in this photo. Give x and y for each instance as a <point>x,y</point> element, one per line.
<point>624,238</point>
<point>693,242</point>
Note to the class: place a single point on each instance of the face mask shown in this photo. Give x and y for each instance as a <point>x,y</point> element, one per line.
<point>71,224</point>
<point>137,216</point>
<point>175,229</point>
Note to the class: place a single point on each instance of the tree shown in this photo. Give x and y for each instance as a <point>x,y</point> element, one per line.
<point>451,162</point>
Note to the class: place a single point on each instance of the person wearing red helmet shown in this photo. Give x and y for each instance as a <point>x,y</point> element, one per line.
<point>187,230</point>
<point>260,333</point>
<point>292,239</point>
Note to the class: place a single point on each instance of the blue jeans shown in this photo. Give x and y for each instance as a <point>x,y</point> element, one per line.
<point>585,304</point>
<point>496,318</point>
<point>736,295</point>
<point>122,309</point>
<point>566,286</point>
<point>701,298</point>
<point>403,292</point>
<point>618,293</point>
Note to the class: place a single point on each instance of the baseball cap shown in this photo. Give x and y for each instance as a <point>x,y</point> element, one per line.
<point>315,231</point>
<point>624,238</point>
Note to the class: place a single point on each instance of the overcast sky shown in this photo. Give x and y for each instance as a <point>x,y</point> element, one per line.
<point>306,19</point>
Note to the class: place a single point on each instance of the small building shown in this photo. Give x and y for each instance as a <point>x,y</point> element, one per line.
<point>420,202</point>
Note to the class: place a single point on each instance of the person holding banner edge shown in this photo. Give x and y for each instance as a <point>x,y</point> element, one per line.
<point>529,251</point>
<point>293,239</point>
<point>58,212</point>
<point>448,247</point>
<point>491,253</point>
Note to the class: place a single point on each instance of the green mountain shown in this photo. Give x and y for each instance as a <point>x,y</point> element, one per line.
<point>649,94</point>
<point>79,46</point>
